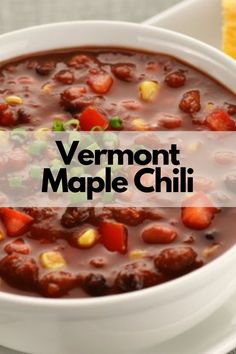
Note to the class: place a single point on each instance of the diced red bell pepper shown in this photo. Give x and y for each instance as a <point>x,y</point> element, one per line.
<point>15,222</point>
<point>3,107</point>
<point>100,82</point>
<point>7,118</point>
<point>220,120</point>
<point>199,213</point>
<point>91,118</point>
<point>114,236</point>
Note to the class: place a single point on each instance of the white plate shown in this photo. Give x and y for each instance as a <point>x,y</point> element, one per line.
<point>217,335</point>
<point>200,19</point>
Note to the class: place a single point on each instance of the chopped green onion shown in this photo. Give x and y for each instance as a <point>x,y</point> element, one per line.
<point>116,122</point>
<point>58,125</point>
<point>18,134</point>
<point>72,124</point>
<point>37,147</point>
<point>35,171</point>
<point>15,181</point>
<point>97,128</point>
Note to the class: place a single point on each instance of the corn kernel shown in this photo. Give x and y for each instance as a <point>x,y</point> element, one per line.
<point>13,100</point>
<point>87,239</point>
<point>41,134</point>
<point>211,251</point>
<point>194,146</point>
<point>149,90</point>
<point>52,260</point>
<point>47,88</point>
<point>136,254</point>
<point>139,124</point>
<point>210,106</point>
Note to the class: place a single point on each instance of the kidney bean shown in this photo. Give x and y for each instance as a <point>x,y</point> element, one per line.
<point>176,261</point>
<point>26,80</point>
<point>190,102</point>
<point>23,117</point>
<point>131,105</point>
<point>75,99</point>
<point>45,68</point>
<point>48,230</point>
<point>18,246</point>
<point>19,271</point>
<point>153,66</point>
<point>39,214</point>
<point>129,216</point>
<point>124,72</point>
<point>159,234</point>
<point>72,93</point>
<point>98,262</point>
<point>31,64</point>
<point>66,77</point>
<point>100,82</point>
<point>79,61</point>
<point>95,285</point>
<point>171,122</point>
<point>154,214</point>
<point>100,214</point>
<point>57,284</point>
<point>225,157</point>
<point>231,108</point>
<point>75,216</point>
<point>175,79</point>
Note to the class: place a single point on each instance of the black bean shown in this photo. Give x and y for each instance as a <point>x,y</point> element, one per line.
<point>95,285</point>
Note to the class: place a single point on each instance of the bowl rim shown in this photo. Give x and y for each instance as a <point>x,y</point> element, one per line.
<point>178,284</point>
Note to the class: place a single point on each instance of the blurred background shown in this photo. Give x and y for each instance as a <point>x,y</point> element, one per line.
<point>15,14</point>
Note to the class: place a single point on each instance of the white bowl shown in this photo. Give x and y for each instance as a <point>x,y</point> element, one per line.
<point>130,322</point>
